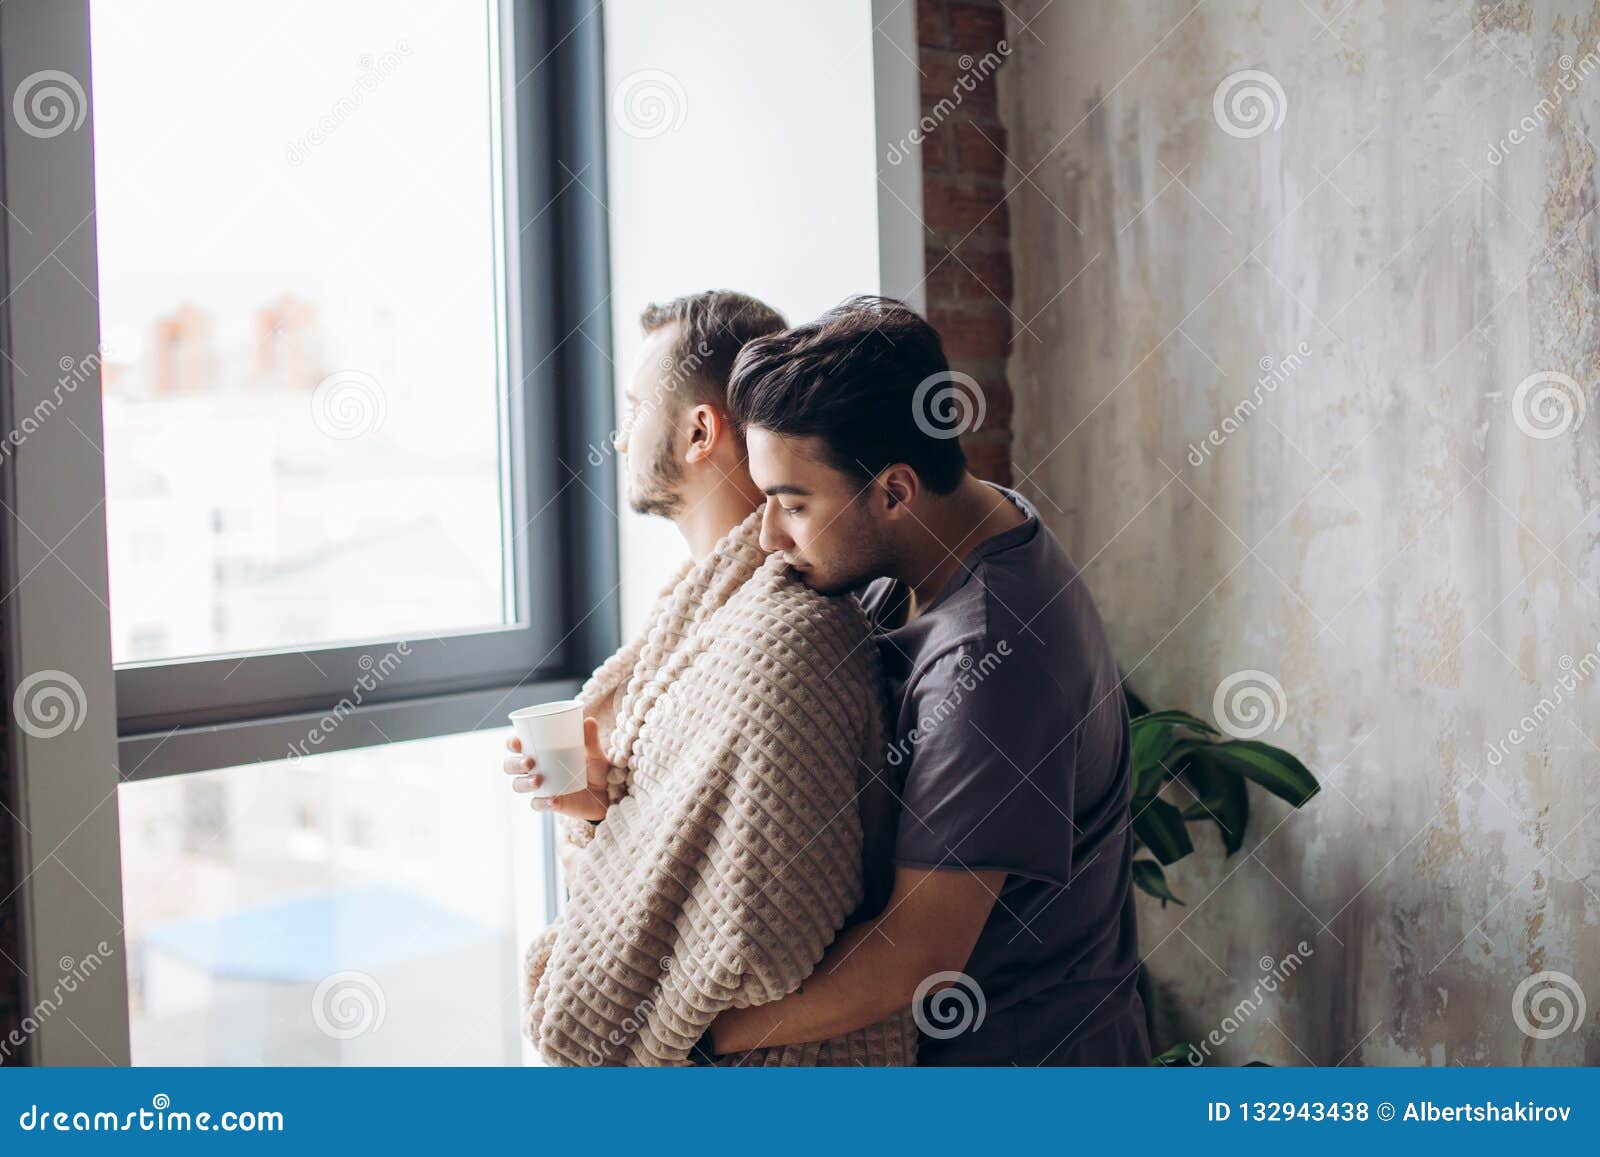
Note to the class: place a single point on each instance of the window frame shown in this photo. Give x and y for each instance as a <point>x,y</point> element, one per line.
<point>183,715</point>
<point>170,718</point>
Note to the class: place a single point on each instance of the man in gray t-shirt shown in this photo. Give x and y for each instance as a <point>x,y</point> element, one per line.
<point>1010,926</point>
<point>1010,739</point>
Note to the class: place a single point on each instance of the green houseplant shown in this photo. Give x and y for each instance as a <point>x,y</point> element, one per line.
<point>1185,771</point>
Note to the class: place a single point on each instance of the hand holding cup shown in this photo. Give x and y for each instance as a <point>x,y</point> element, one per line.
<point>556,757</point>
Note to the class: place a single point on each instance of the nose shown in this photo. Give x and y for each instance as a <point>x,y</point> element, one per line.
<point>772,539</point>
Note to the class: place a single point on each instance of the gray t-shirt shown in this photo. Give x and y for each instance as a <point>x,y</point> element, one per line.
<point>1010,745</point>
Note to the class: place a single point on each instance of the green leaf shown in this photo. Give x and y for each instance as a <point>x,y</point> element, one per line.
<point>1148,877</point>
<point>1222,796</point>
<point>1147,780</point>
<point>1172,1057</point>
<point>1160,827</point>
<point>1155,748</point>
<point>1182,718</point>
<point>1156,754</point>
<point>1150,748</point>
<point>1271,767</point>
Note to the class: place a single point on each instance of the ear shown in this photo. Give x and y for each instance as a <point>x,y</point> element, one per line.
<point>706,428</point>
<point>900,488</point>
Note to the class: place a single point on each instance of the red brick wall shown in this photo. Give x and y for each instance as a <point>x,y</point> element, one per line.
<point>968,245</point>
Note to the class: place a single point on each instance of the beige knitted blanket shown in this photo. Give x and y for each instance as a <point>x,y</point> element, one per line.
<point>745,732</point>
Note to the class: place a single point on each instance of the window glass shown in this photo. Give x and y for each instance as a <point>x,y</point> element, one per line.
<point>352,908</point>
<point>299,259</point>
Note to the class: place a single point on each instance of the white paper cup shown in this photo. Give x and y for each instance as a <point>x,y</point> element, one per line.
<point>553,734</point>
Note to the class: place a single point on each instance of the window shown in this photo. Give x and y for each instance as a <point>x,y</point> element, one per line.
<point>342,356</point>
<point>316,435</point>
<point>301,322</point>
<point>353,908</point>
<point>342,307</point>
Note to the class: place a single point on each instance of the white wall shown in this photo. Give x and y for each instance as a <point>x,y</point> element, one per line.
<point>742,156</point>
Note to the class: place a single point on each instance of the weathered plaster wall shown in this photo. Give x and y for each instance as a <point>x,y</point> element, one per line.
<point>1377,531</point>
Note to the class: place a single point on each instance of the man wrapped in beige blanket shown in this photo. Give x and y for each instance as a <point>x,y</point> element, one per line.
<point>744,734</point>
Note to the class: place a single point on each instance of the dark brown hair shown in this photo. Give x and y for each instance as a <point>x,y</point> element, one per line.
<point>853,378</point>
<point>712,328</point>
